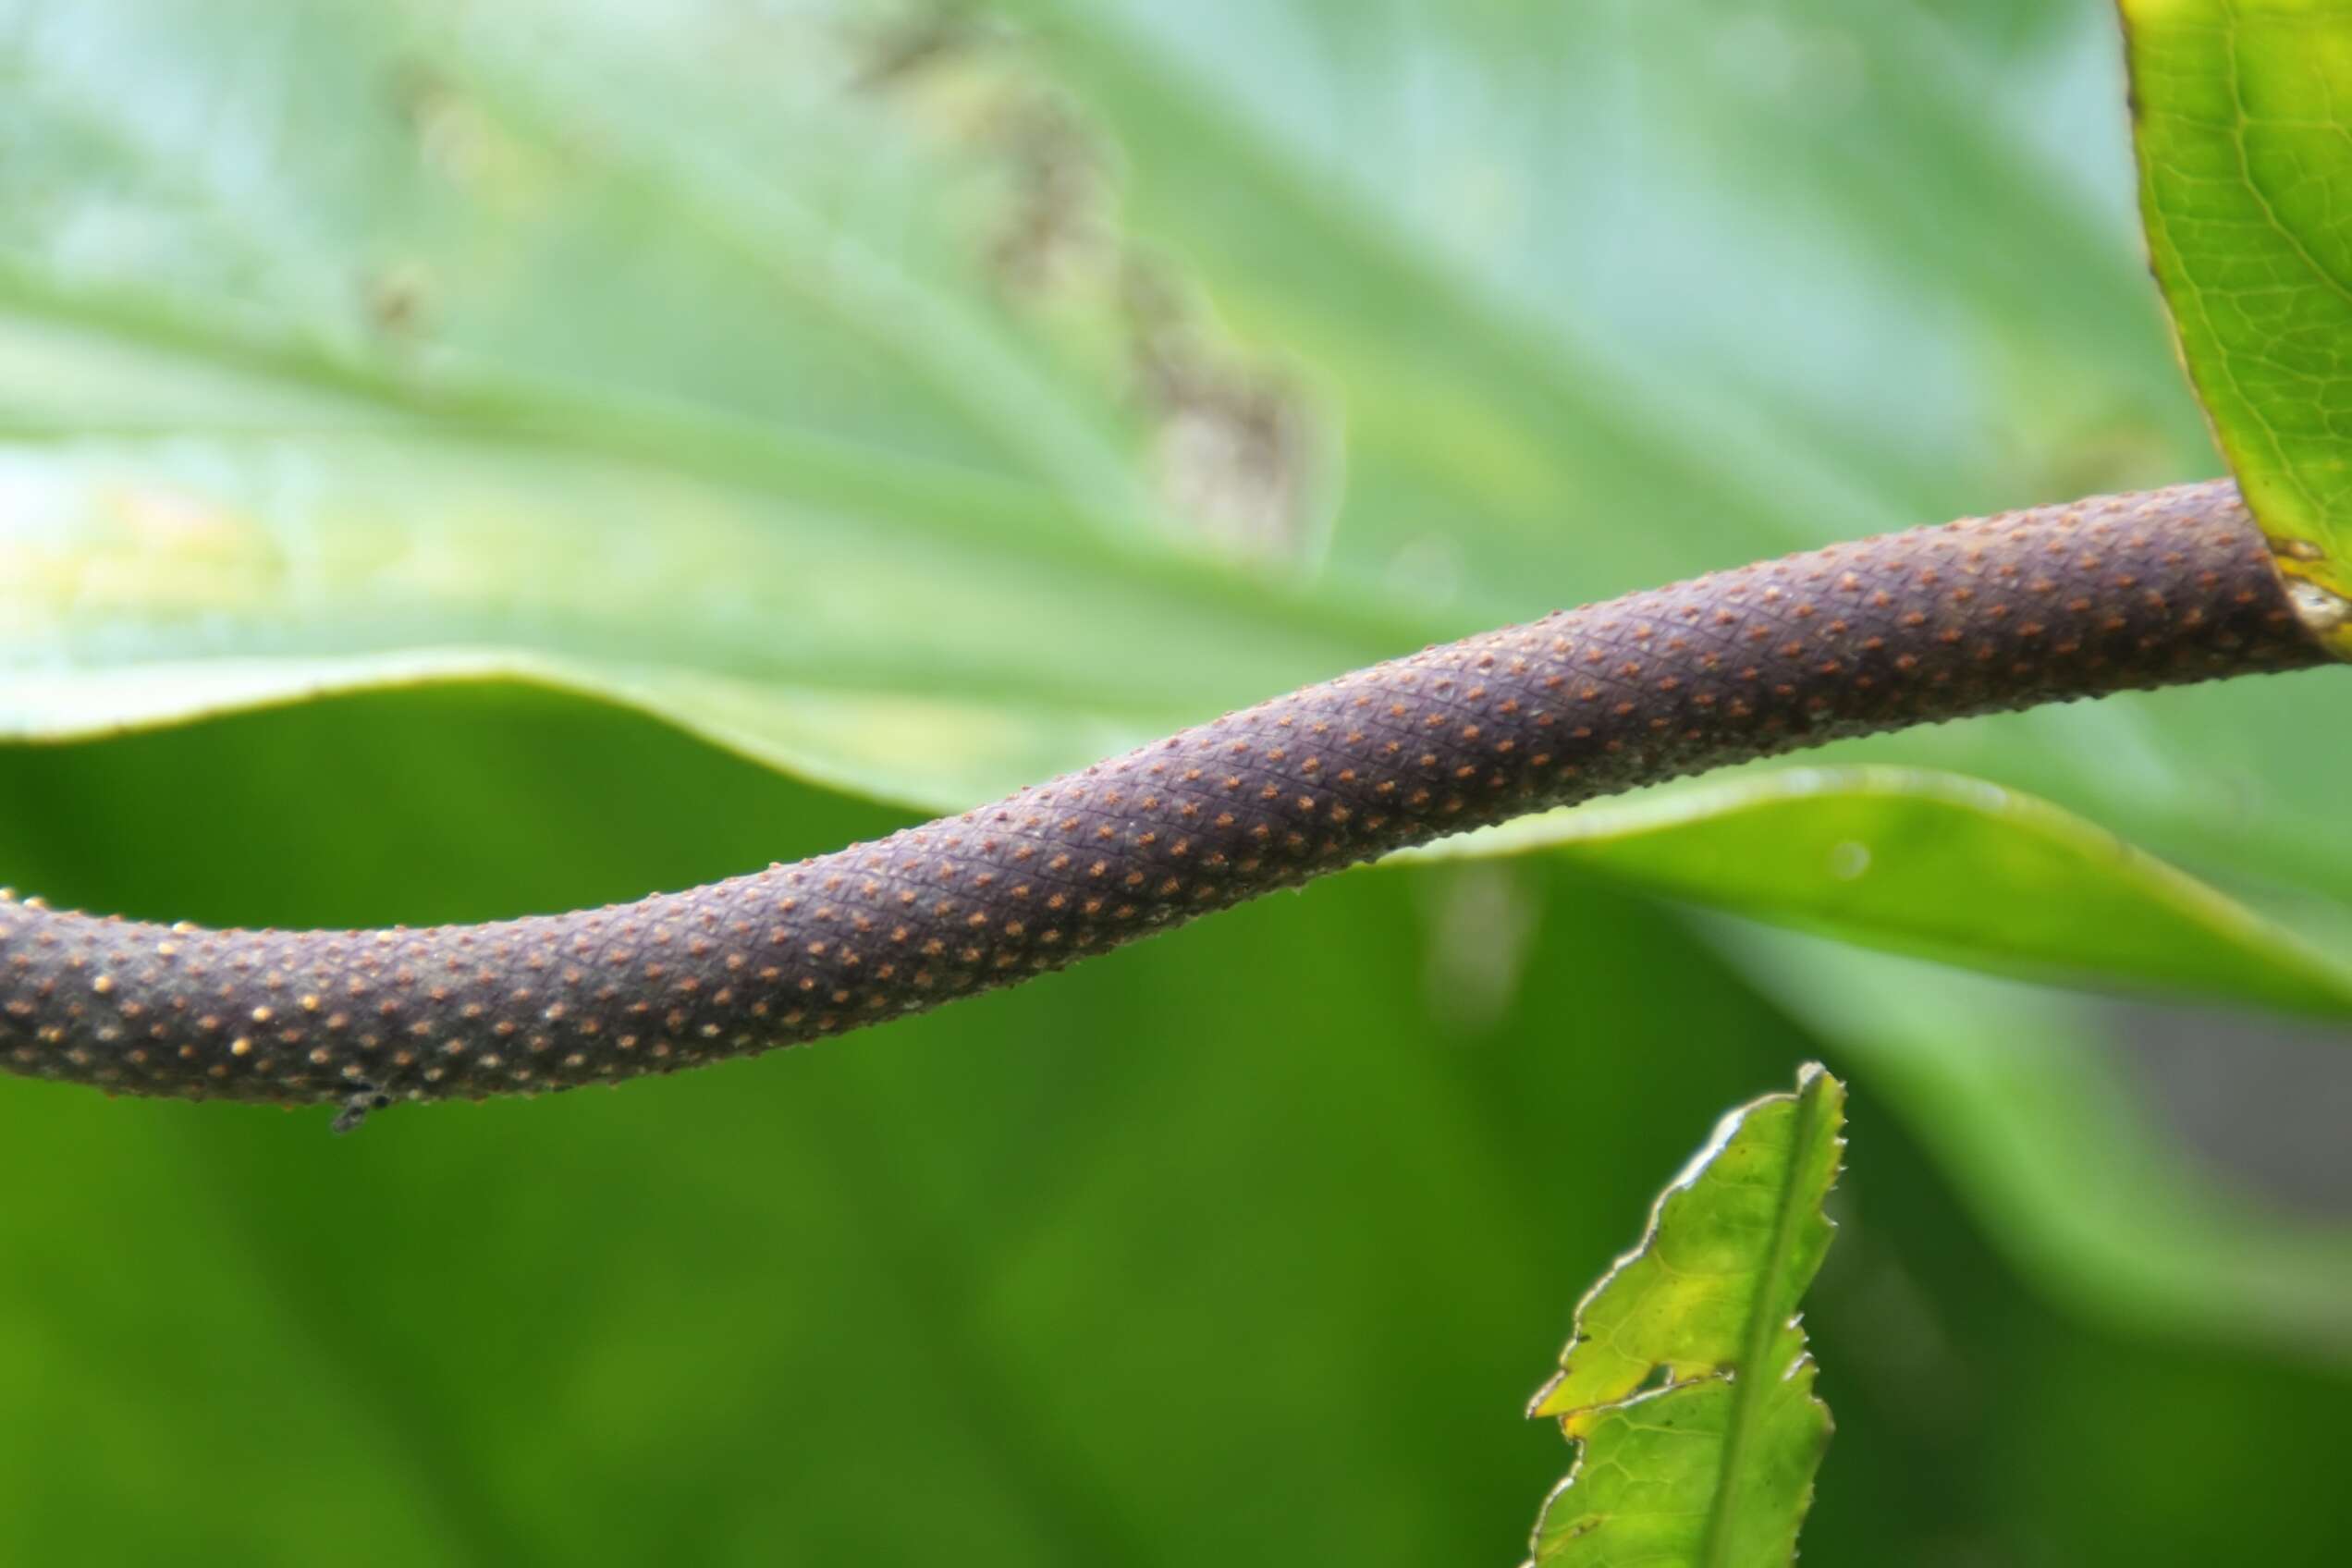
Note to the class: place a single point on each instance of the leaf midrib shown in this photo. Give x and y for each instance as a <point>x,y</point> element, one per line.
<point>1747,1377</point>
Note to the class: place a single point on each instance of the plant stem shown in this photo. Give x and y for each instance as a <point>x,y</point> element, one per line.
<point>2115,594</point>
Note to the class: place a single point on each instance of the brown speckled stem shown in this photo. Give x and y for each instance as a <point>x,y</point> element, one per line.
<point>2004,612</point>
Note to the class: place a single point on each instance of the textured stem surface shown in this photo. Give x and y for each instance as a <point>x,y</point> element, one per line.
<point>2005,612</point>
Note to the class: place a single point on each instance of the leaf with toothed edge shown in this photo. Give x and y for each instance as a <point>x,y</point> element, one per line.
<point>1712,1467</point>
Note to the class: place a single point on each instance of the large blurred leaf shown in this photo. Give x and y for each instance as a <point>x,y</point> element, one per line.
<point>245,480</point>
<point>245,475</point>
<point>1227,1250</point>
<point>1714,1467</point>
<point>864,628</point>
<point>352,343</point>
<point>1603,293</point>
<point>2246,176</point>
<point>1638,288</point>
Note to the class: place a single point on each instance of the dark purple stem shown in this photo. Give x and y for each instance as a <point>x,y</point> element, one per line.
<point>2006,612</point>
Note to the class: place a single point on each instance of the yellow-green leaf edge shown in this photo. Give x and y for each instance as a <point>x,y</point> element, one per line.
<point>1715,1468</point>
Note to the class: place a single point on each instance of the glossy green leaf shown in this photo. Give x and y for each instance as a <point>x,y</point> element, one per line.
<point>2246,175</point>
<point>1714,1467</point>
<point>1947,868</point>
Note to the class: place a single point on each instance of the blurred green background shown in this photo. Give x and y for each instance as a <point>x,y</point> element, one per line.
<point>458,461</point>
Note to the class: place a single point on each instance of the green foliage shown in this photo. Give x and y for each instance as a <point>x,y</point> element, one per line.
<point>2245,157</point>
<point>1714,1468</point>
<point>1942,867</point>
<point>379,349</point>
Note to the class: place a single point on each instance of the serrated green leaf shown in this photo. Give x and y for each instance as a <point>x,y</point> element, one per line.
<point>1714,1468</point>
<point>2243,110</point>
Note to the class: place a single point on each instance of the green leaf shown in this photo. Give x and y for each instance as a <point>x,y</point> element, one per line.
<point>642,358</point>
<point>2245,130</point>
<point>563,1331</point>
<point>1627,305</point>
<point>855,625</point>
<point>1948,868</point>
<point>1637,291</point>
<point>1713,1468</point>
